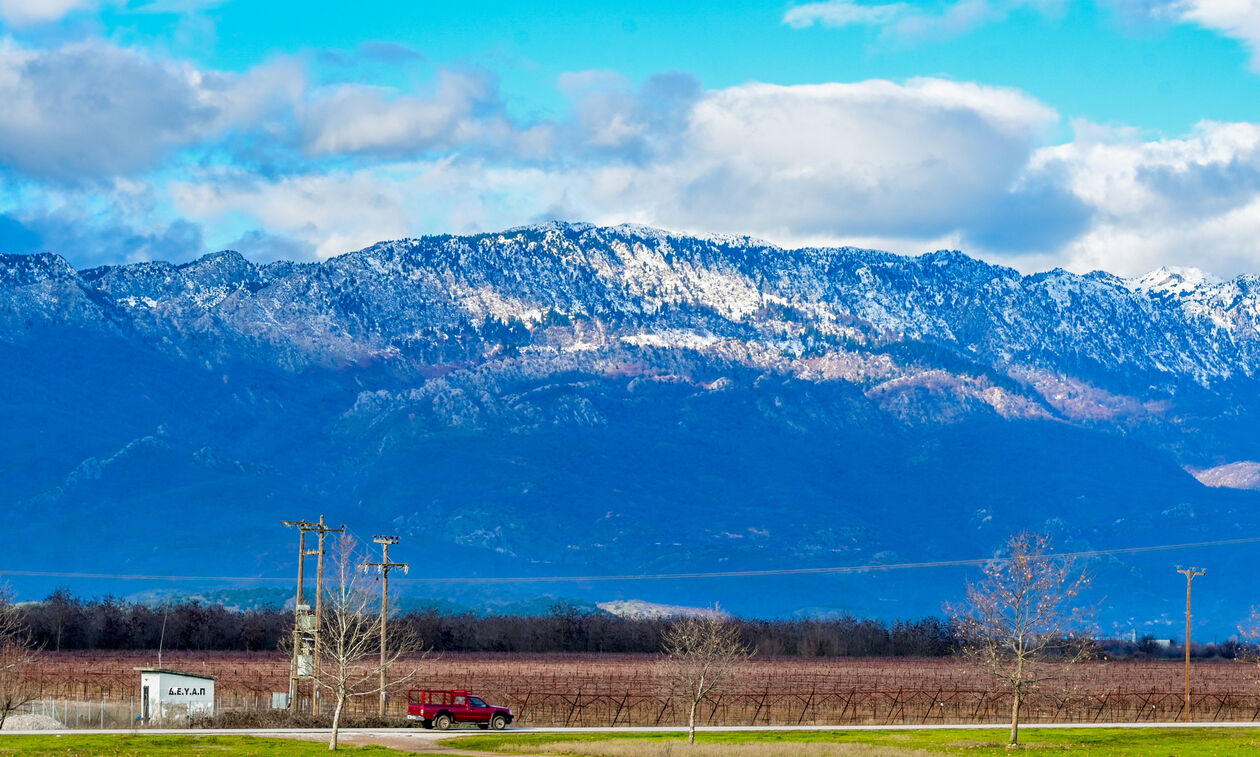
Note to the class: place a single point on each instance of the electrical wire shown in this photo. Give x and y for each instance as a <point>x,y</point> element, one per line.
<point>649,576</point>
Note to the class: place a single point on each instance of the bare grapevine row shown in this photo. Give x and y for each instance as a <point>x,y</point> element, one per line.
<point>594,689</point>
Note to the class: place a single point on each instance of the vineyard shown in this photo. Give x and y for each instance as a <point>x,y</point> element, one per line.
<point>612,690</point>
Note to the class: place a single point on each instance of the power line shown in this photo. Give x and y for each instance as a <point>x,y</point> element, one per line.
<point>137,576</point>
<point>834,570</point>
<point>654,576</point>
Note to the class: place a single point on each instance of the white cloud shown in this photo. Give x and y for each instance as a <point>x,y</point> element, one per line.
<point>913,21</point>
<point>956,19</point>
<point>611,120</point>
<point>838,13</point>
<point>22,13</point>
<point>87,110</point>
<point>333,212</point>
<point>91,110</point>
<point>1236,19</point>
<point>872,158</point>
<point>174,7</point>
<point>905,166</point>
<point>263,98</point>
<point>916,22</point>
<point>89,228</point>
<point>336,211</point>
<point>464,108</point>
<point>1188,201</point>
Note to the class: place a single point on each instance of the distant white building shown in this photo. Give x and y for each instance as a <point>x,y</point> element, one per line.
<point>167,695</point>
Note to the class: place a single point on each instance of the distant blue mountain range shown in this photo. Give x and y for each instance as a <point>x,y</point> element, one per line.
<point>574,400</point>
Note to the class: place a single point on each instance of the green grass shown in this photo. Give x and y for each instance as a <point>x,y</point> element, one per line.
<point>1085,742</point>
<point>184,746</point>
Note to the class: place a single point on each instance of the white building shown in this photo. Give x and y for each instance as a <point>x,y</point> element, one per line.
<point>167,695</point>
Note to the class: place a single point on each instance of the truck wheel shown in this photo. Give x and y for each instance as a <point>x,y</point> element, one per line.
<point>498,722</point>
<point>442,722</point>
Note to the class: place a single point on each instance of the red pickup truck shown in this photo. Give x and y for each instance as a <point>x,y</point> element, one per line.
<point>442,709</point>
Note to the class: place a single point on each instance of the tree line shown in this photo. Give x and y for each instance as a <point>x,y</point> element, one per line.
<point>65,622</point>
<point>1027,609</point>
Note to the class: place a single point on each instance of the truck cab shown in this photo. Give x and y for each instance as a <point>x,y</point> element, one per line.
<point>443,708</point>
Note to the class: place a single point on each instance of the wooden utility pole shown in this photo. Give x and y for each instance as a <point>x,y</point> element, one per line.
<point>306,623</point>
<point>1189,573</point>
<point>384,566</point>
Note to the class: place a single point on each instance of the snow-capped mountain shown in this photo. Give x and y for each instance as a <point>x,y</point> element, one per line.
<point>564,398</point>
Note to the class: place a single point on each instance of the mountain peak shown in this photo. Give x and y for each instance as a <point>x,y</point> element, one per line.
<point>228,261</point>
<point>543,226</point>
<point>1173,280</point>
<point>221,256</point>
<point>26,268</point>
<point>945,257</point>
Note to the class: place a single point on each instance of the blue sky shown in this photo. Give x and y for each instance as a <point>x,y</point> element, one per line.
<point>1120,134</point>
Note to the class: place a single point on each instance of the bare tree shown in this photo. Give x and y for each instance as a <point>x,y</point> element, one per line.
<point>16,655</point>
<point>1023,611</point>
<point>350,660</point>
<point>701,653</point>
<point>1249,635</point>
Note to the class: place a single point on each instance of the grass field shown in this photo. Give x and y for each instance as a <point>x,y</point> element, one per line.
<point>181,746</point>
<point>1170,742</point>
<point>1166,742</point>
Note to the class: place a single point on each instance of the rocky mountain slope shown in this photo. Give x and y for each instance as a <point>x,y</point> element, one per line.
<point>567,399</point>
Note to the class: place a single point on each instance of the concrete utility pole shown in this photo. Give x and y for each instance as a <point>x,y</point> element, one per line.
<point>1189,573</point>
<point>384,566</point>
<point>295,670</point>
<point>319,600</point>
<point>306,623</point>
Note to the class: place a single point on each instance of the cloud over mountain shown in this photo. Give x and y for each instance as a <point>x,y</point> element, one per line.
<point>781,162</point>
<point>108,150</point>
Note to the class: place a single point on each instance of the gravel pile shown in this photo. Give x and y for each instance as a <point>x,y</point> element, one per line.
<point>31,723</point>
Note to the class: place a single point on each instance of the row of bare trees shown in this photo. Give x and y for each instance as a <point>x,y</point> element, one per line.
<point>1023,612</point>
<point>1018,614</point>
<point>62,621</point>
<point>1025,609</point>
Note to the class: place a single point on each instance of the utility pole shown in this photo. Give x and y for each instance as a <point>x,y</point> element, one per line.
<point>295,665</point>
<point>384,566</point>
<point>1189,573</point>
<point>305,662</point>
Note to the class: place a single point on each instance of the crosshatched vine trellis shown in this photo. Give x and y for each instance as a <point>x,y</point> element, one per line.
<point>613,690</point>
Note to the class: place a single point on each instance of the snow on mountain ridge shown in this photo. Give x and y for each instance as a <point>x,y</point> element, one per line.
<point>577,395</point>
<point>1232,306</point>
<point>1174,280</point>
<point>413,295</point>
